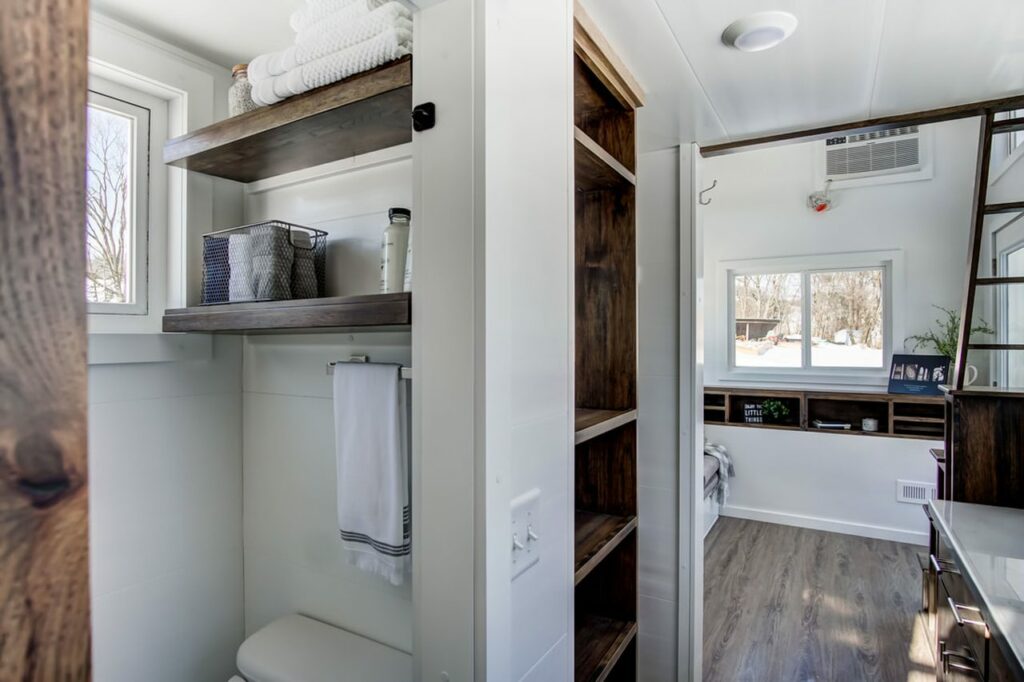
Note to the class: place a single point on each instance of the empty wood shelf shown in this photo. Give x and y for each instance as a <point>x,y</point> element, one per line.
<point>374,310</point>
<point>600,643</point>
<point>361,114</point>
<point>920,420</point>
<point>592,423</point>
<point>596,536</point>
<point>596,169</point>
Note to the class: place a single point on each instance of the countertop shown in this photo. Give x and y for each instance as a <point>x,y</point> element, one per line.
<point>989,543</point>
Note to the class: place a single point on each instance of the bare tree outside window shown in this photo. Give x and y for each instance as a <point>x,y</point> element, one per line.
<point>109,210</point>
<point>846,318</point>
<point>844,308</point>
<point>768,320</point>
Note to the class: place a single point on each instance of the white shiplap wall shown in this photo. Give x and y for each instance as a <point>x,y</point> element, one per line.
<point>294,561</point>
<point>165,477</point>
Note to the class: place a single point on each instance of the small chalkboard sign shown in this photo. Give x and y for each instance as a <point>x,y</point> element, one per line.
<point>753,413</point>
<point>918,374</point>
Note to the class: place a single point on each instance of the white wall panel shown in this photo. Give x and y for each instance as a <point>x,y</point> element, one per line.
<point>166,518</point>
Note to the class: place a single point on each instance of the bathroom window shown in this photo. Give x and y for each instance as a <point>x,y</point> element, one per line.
<point>117,205</point>
<point>797,322</point>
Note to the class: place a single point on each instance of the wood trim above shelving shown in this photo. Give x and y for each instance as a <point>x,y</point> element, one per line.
<point>370,311</point>
<point>592,423</point>
<point>593,48</point>
<point>363,113</point>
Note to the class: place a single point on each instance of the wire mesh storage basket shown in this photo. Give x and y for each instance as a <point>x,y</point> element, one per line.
<point>268,261</point>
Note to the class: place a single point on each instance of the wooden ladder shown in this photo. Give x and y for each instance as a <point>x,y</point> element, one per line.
<point>990,127</point>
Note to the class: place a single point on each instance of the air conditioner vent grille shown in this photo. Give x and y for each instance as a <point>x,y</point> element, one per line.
<point>873,157</point>
<point>914,492</point>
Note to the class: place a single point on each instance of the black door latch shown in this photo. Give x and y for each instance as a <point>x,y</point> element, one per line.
<point>424,117</point>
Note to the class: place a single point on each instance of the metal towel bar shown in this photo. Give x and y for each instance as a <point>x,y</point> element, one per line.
<point>405,372</point>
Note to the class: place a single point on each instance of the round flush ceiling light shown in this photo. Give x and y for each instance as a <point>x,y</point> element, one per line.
<point>760,31</point>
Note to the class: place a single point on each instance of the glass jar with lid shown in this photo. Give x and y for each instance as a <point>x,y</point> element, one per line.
<point>240,93</point>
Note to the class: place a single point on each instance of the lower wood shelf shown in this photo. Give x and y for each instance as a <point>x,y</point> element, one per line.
<point>600,643</point>
<point>591,423</point>
<point>386,311</point>
<point>596,536</point>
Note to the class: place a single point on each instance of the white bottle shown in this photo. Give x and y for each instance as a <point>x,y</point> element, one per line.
<point>407,283</point>
<point>393,246</point>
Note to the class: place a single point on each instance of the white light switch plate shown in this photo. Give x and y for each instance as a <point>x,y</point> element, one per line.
<point>526,532</point>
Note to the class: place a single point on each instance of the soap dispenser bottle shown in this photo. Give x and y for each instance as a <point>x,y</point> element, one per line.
<point>393,247</point>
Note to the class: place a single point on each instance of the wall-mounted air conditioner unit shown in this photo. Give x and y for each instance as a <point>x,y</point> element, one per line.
<point>884,156</point>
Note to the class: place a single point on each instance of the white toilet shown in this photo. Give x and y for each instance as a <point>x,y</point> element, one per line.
<point>299,649</point>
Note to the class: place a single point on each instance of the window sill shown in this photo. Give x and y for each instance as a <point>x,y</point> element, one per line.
<point>781,380</point>
<point>133,349</point>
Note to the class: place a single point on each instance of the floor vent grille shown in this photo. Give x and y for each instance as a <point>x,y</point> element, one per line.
<point>914,492</point>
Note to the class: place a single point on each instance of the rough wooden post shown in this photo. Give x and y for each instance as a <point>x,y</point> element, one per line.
<point>44,568</point>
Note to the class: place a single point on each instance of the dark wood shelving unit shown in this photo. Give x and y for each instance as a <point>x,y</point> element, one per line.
<point>593,423</point>
<point>600,644</point>
<point>605,551</point>
<point>361,114</point>
<point>899,416</point>
<point>596,536</point>
<point>373,311</point>
<point>364,113</point>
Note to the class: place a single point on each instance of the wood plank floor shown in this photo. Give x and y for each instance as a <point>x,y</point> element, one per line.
<point>784,604</point>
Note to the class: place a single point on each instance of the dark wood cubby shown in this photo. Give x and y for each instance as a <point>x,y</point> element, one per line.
<point>606,351</point>
<point>899,416</point>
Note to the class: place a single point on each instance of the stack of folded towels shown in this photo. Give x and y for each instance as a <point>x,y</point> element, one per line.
<point>334,39</point>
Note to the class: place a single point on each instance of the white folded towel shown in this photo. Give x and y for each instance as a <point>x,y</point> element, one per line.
<point>314,12</point>
<point>371,445</point>
<point>383,48</point>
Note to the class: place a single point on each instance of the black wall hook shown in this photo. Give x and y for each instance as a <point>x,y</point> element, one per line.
<point>424,117</point>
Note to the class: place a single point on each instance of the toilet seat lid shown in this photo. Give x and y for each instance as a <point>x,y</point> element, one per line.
<point>299,649</point>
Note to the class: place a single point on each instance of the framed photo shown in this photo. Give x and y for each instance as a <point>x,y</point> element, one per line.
<point>918,374</point>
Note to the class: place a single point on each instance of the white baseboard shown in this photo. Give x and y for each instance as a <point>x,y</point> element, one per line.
<point>832,525</point>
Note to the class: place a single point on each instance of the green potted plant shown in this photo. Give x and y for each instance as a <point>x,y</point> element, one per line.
<point>774,411</point>
<point>945,337</point>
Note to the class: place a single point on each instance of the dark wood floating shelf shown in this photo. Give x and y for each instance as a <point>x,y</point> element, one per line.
<point>898,416</point>
<point>361,114</point>
<point>600,643</point>
<point>596,169</point>
<point>592,423</point>
<point>346,312</point>
<point>596,536</point>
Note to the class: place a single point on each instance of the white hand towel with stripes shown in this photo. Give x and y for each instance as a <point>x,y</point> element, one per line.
<point>372,452</point>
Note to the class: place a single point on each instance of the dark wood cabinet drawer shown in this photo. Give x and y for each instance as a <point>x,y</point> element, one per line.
<point>956,660</point>
<point>967,617</point>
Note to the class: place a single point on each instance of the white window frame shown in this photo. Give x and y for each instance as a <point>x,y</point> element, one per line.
<point>101,96</point>
<point>131,95</point>
<point>1008,154</point>
<point>891,263</point>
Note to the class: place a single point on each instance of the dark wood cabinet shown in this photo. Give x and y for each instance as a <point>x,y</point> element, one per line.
<point>984,461</point>
<point>966,639</point>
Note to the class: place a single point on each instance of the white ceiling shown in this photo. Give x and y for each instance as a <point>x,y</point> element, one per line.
<point>848,60</point>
